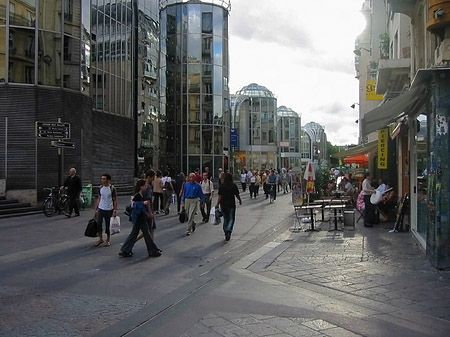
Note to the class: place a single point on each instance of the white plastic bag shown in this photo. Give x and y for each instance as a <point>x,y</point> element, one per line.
<point>212,216</point>
<point>114,226</point>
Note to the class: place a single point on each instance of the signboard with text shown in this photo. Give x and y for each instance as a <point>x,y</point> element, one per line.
<point>371,92</point>
<point>383,148</point>
<point>53,130</point>
<point>234,138</point>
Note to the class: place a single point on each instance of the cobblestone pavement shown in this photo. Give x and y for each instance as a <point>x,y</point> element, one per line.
<point>371,267</point>
<point>52,314</point>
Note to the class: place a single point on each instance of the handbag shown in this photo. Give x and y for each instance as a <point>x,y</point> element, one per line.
<point>218,214</point>
<point>91,229</point>
<point>182,216</point>
<point>114,225</point>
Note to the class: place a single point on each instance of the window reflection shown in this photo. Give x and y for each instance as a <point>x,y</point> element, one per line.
<point>22,13</point>
<point>2,57</point>
<point>21,55</point>
<point>49,58</point>
<point>2,13</point>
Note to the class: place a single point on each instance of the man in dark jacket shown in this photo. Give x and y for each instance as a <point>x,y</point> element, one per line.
<point>73,184</point>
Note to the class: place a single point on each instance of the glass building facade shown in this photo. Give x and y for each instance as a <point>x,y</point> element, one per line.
<point>255,111</point>
<point>289,138</point>
<point>90,64</point>
<point>194,71</point>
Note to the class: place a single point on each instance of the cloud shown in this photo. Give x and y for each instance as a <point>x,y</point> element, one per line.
<point>303,52</point>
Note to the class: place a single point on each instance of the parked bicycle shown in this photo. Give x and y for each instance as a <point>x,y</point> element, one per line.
<point>56,202</point>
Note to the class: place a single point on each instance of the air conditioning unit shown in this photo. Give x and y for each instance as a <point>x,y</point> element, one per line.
<point>442,53</point>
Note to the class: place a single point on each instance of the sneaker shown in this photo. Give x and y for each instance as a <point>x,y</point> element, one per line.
<point>227,236</point>
<point>188,233</point>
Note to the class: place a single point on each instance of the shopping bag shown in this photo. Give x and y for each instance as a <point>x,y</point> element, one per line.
<point>218,214</point>
<point>91,229</point>
<point>114,225</point>
<point>182,216</point>
<point>212,216</point>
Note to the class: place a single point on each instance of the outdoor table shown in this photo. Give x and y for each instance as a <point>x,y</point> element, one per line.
<point>335,208</point>
<point>311,209</point>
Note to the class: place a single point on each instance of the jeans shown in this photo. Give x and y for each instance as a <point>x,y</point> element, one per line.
<point>229,217</point>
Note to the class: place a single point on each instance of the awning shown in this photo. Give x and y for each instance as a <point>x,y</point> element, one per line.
<point>356,150</point>
<point>361,159</point>
<point>388,112</point>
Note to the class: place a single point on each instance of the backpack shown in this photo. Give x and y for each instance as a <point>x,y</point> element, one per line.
<point>168,185</point>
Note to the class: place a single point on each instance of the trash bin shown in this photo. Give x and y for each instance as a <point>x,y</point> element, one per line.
<point>86,195</point>
<point>349,220</point>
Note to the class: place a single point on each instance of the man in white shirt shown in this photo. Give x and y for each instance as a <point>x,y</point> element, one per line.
<point>167,191</point>
<point>208,192</point>
<point>105,208</point>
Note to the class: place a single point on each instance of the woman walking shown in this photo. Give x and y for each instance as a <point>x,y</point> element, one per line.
<point>139,220</point>
<point>227,192</point>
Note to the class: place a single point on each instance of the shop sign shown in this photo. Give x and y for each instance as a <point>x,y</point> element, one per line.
<point>382,148</point>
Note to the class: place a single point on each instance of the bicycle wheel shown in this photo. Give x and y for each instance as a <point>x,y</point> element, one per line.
<point>49,207</point>
<point>64,205</point>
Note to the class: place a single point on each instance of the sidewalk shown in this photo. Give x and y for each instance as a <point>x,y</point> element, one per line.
<point>366,282</point>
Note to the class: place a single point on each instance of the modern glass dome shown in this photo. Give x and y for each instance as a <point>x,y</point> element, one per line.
<point>284,111</point>
<point>255,90</point>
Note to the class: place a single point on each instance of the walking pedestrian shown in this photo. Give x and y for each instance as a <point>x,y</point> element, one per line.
<point>139,216</point>
<point>167,191</point>
<point>157,193</point>
<point>192,195</point>
<point>244,180</point>
<point>105,208</point>
<point>179,181</point>
<point>228,191</point>
<point>208,192</point>
<point>74,188</point>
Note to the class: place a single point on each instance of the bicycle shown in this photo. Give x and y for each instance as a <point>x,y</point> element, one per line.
<point>272,193</point>
<point>56,202</point>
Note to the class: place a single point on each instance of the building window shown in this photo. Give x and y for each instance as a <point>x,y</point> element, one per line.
<point>68,10</point>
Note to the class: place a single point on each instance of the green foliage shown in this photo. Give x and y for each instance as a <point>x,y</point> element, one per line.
<point>322,177</point>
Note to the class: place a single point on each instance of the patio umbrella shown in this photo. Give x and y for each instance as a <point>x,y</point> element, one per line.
<point>310,178</point>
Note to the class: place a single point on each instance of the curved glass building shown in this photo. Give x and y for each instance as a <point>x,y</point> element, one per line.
<point>289,136</point>
<point>255,115</point>
<point>194,72</point>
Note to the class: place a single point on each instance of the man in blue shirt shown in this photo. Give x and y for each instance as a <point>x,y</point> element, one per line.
<point>190,200</point>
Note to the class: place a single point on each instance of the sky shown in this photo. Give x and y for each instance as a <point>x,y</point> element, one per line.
<point>302,51</point>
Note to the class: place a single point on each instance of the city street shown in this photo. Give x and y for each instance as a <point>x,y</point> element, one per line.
<point>266,281</point>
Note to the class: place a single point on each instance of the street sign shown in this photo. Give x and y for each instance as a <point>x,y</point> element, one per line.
<point>64,144</point>
<point>53,130</point>
<point>234,138</point>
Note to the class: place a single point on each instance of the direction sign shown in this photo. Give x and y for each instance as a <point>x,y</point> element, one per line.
<point>53,130</point>
<point>64,144</point>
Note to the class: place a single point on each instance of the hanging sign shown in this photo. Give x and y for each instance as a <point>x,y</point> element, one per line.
<point>382,148</point>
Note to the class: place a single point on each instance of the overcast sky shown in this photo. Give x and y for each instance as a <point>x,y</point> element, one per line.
<point>302,51</point>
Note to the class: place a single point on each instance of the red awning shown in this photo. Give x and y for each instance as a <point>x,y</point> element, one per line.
<point>360,159</point>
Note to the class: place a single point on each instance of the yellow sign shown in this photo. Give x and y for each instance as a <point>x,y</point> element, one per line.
<point>383,148</point>
<point>371,93</point>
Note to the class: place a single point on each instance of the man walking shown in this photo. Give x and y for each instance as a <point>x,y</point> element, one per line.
<point>73,184</point>
<point>167,191</point>
<point>192,195</point>
<point>208,191</point>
